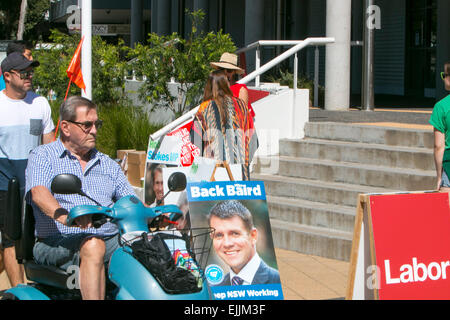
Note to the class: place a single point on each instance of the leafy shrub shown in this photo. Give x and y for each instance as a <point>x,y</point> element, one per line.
<point>124,127</point>
<point>286,78</point>
<point>168,59</point>
<point>108,69</point>
<point>164,60</point>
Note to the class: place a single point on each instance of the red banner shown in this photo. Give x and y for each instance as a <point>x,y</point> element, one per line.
<point>411,242</point>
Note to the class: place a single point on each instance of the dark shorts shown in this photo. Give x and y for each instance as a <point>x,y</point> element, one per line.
<point>5,241</point>
<point>63,251</point>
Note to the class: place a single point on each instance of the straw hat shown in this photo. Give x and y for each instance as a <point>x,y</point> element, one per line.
<point>228,61</point>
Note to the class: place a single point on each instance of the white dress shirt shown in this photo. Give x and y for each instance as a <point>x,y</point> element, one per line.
<point>248,272</point>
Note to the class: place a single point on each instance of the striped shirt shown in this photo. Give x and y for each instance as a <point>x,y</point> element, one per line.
<point>102,180</point>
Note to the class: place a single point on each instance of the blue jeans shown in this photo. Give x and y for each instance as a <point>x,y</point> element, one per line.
<point>445,182</point>
<point>64,250</point>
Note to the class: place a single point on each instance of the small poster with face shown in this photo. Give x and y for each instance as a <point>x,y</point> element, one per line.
<point>241,263</point>
<point>202,169</point>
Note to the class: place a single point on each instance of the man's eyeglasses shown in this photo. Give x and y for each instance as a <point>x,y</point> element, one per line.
<point>444,75</point>
<point>87,125</point>
<point>23,74</point>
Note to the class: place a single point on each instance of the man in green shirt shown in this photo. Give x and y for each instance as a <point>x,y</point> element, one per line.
<point>440,120</point>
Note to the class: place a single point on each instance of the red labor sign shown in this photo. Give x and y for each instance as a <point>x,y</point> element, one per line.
<point>410,243</point>
<point>188,150</point>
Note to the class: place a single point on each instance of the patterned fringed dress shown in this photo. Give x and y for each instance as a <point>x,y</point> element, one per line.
<point>236,142</point>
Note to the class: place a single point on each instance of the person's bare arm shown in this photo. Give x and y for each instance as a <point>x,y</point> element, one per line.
<point>439,148</point>
<point>43,198</point>
<point>243,95</point>
<point>48,137</point>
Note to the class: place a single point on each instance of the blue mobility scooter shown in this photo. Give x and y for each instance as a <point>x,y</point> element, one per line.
<point>153,261</point>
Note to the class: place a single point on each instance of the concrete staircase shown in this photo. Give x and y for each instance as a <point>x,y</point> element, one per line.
<point>313,185</point>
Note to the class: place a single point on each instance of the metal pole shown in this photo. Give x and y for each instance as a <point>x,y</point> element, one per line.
<point>337,55</point>
<point>22,16</point>
<point>136,22</point>
<point>257,65</point>
<point>368,99</point>
<point>316,77</point>
<point>294,98</point>
<point>86,49</point>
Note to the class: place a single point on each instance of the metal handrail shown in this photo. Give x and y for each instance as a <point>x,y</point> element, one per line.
<point>292,51</point>
<point>262,43</point>
<point>258,44</point>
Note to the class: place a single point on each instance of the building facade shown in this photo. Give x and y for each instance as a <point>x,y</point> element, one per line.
<point>410,47</point>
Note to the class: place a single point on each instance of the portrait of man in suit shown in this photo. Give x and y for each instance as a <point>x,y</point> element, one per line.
<point>234,241</point>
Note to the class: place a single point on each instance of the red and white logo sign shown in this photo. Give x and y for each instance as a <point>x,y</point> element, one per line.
<point>411,239</point>
<point>188,150</point>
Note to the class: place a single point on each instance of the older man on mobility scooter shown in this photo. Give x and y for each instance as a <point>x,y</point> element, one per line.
<point>84,246</point>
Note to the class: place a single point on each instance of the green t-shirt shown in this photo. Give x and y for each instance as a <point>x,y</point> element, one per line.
<point>440,118</point>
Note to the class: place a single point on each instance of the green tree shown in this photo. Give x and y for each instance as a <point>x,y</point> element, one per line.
<point>35,22</point>
<point>171,59</point>
<point>108,69</point>
<point>9,18</point>
<point>286,78</point>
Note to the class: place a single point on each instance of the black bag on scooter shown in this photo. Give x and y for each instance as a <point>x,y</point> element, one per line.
<point>157,259</point>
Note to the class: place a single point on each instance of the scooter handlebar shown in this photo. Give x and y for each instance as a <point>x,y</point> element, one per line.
<point>100,215</point>
<point>128,213</point>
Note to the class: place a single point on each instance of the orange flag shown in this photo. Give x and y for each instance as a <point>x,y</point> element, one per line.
<point>74,69</point>
<point>75,76</point>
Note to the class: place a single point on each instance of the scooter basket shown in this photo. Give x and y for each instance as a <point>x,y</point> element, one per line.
<point>175,258</point>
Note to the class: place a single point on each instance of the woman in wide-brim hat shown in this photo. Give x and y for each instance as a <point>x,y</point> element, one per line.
<point>221,128</point>
<point>228,62</point>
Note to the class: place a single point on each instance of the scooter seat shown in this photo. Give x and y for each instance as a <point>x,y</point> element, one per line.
<point>48,275</point>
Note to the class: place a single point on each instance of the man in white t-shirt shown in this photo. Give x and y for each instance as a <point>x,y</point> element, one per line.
<point>25,123</point>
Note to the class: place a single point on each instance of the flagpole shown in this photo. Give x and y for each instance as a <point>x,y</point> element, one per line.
<point>65,98</point>
<point>72,71</point>
<point>86,50</point>
<point>67,91</point>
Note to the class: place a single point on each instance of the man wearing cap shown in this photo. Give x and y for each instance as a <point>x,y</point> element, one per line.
<point>20,46</point>
<point>25,123</point>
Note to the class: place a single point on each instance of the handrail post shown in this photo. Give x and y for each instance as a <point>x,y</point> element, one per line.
<point>294,92</point>
<point>257,64</point>
<point>316,77</point>
<point>295,70</point>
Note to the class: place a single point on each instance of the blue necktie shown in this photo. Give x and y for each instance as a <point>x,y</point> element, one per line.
<point>236,281</point>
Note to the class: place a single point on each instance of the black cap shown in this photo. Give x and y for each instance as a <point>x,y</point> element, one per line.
<point>17,61</point>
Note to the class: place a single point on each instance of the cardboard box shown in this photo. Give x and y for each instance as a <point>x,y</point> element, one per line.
<point>122,155</point>
<point>136,167</point>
